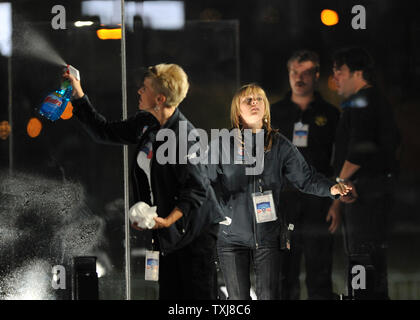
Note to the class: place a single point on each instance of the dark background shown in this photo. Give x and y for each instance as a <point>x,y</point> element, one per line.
<point>224,44</point>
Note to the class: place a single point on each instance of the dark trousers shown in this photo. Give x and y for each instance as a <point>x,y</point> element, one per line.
<point>190,273</point>
<point>311,240</point>
<point>366,229</point>
<point>235,263</point>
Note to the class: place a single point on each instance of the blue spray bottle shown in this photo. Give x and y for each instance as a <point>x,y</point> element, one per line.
<point>55,103</point>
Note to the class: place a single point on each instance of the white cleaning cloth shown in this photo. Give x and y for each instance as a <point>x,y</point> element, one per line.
<point>143,215</point>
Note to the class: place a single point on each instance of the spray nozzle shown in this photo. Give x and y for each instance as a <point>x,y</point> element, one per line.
<point>73,71</point>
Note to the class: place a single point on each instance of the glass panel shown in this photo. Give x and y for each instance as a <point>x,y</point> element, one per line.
<point>64,198</point>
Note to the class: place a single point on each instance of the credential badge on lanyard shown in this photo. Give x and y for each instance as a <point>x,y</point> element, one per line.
<point>152,266</point>
<point>300,134</point>
<point>264,206</point>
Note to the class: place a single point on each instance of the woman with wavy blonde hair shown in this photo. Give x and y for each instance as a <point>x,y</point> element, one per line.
<point>235,110</point>
<point>253,231</point>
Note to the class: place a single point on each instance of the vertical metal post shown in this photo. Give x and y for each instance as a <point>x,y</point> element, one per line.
<point>125,153</point>
<point>9,81</point>
<point>237,53</point>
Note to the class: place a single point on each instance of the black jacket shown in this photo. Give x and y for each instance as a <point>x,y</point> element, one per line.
<point>234,189</point>
<point>367,134</point>
<point>185,186</point>
<point>322,118</point>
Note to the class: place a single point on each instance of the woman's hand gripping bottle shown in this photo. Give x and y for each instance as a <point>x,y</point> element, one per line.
<point>56,102</point>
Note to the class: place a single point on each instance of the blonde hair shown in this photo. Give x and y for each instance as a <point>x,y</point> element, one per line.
<point>169,80</point>
<point>235,111</point>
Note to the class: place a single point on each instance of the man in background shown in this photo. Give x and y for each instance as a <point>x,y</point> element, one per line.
<point>307,120</point>
<point>365,157</point>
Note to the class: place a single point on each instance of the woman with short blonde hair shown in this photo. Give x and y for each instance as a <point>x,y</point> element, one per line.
<point>169,80</point>
<point>184,234</point>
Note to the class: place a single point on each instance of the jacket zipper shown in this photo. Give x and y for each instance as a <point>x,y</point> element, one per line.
<point>161,249</point>
<point>255,226</point>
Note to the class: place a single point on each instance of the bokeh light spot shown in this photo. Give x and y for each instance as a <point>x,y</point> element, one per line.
<point>68,112</point>
<point>34,127</point>
<point>109,34</point>
<point>329,17</point>
<point>4,130</point>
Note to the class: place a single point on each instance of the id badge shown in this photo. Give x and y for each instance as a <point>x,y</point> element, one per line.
<point>264,206</point>
<point>300,134</point>
<point>151,272</point>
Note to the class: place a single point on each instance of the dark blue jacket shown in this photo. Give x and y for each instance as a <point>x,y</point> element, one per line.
<point>367,135</point>
<point>234,188</point>
<point>322,118</point>
<point>185,186</point>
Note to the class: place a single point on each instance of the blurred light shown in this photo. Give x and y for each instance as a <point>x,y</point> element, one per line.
<point>109,34</point>
<point>4,130</point>
<point>100,270</point>
<point>332,85</point>
<point>68,112</point>
<point>83,23</point>
<point>252,294</point>
<point>30,282</point>
<point>163,14</point>
<point>155,14</point>
<point>224,290</point>
<point>109,12</point>
<point>34,127</point>
<point>329,17</point>
<point>6,29</point>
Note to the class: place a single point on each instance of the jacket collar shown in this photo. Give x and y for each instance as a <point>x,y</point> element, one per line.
<point>174,118</point>
<point>152,121</point>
